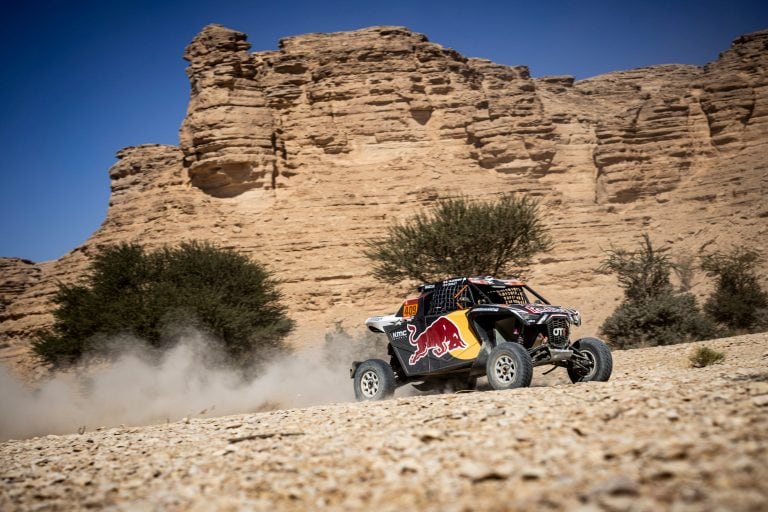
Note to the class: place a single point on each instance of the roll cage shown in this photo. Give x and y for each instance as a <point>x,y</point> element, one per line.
<point>462,293</point>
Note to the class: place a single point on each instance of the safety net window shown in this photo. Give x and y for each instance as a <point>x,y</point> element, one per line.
<point>511,295</point>
<point>450,297</point>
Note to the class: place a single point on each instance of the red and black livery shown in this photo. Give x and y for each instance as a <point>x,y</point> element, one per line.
<point>460,329</point>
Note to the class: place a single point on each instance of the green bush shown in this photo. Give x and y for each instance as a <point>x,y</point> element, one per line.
<point>737,301</point>
<point>705,356</point>
<point>460,237</point>
<point>664,320</point>
<point>652,312</point>
<point>644,274</point>
<point>148,295</point>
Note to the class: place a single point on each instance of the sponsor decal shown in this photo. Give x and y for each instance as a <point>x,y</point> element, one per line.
<point>488,310</point>
<point>440,337</point>
<point>544,309</point>
<point>400,334</point>
<point>559,331</point>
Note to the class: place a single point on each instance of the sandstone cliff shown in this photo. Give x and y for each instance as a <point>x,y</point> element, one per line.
<point>296,156</point>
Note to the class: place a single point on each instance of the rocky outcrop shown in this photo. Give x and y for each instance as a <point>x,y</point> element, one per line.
<point>18,280</point>
<point>297,156</point>
<point>659,435</point>
<point>256,120</point>
<point>228,131</point>
<point>17,275</point>
<point>733,94</point>
<point>651,144</point>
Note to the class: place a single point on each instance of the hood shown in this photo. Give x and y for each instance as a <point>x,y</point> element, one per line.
<point>531,313</point>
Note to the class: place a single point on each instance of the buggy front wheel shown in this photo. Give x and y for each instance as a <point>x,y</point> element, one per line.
<point>374,380</point>
<point>592,361</point>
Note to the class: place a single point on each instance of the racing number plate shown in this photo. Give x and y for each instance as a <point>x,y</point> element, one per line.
<point>410,308</point>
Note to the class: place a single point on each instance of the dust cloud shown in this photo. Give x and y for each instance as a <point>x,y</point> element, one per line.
<point>143,387</point>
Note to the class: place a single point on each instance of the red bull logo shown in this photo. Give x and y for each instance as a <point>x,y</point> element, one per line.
<point>439,337</point>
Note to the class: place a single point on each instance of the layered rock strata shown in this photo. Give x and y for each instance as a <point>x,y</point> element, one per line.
<point>297,156</point>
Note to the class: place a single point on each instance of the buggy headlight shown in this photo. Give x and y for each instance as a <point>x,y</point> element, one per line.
<point>576,318</point>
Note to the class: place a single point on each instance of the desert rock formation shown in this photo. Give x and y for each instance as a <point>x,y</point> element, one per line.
<point>298,155</point>
<point>659,435</point>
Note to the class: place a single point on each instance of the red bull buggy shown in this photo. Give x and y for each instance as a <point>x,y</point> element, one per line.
<point>464,328</point>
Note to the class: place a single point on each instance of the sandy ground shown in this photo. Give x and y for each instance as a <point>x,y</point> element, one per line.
<point>659,436</point>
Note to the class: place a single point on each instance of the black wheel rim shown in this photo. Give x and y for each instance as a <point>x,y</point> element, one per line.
<point>588,367</point>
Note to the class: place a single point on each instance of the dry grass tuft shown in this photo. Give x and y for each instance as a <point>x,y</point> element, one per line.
<point>705,356</point>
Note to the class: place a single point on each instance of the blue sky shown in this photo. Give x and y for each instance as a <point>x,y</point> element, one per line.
<point>82,79</point>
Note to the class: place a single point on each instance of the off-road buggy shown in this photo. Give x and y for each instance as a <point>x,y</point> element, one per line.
<point>464,328</point>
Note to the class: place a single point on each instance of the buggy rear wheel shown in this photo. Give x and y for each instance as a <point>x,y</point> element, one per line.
<point>592,361</point>
<point>509,366</point>
<point>374,380</point>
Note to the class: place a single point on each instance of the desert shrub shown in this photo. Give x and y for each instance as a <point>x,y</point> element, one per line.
<point>705,356</point>
<point>148,295</point>
<point>652,312</point>
<point>738,301</point>
<point>644,274</point>
<point>460,237</point>
<point>664,320</point>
